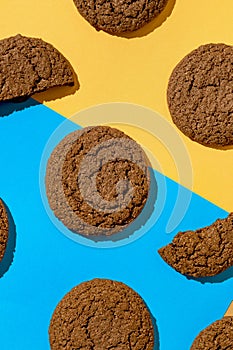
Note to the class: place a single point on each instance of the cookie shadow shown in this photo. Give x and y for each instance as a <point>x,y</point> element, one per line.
<point>10,248</point>
<point>221,277</point>
<point>156,333</point>
<point>215,147</point>
<point>9,107</point>
<point>58,92</point>
<point>155,23</point>
<point>19,104</point>
<point>222,148</point>
<point>155,328</point>
<point>139,222</point>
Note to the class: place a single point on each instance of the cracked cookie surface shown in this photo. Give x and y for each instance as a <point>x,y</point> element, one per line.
<point>97,181</point>
<point>30,65</point>
<point>200,95</point>
<point>101,314</point>
<point>4,229</point>
<point>117,17</point>
<point>218,336</point>
<point>205,252</point>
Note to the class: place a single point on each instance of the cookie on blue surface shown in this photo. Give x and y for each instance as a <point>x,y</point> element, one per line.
<point>101,314</point>
<point>117,17</point>
<point>31,65</point>
<point>97,181</point>
<point>4,229</point>
<point>205,252</point>
<point>218,336</point>
<point>200,95</point>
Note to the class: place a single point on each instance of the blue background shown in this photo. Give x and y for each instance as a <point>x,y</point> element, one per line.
<point>47,264</point>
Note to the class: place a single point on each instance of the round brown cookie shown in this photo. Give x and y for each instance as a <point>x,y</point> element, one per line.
<point>4,228</point>
<point>101,314</point>
<point>200,95</point>
<point>204,252</point>
<point>97,181</point>
<point>30,65</point>
<point>117,17</point>
<point>218,336</point>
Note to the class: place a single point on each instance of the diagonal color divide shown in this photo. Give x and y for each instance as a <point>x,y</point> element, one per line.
<point>229,310</point>
<point>46,264</point>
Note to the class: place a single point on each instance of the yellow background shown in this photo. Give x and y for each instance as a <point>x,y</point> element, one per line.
<point>135,69</point>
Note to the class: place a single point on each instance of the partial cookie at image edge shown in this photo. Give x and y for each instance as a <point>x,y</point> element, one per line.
<point>200,95</point>
<point>103,314</point>
<point>118,18</point>
<point>4,229</point>
<point>218,335</point>
<point>31,65</point>
<point>205,252</point>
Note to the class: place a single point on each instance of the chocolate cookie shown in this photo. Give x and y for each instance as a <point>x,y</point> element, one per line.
<point>30,65</point>
<point>200,95</point>
<point>218,336</point>
<point>204,252</point>
<point>97,181</point>
<point>117,17</point>
<point>4,228</point>
<point>101,314</point>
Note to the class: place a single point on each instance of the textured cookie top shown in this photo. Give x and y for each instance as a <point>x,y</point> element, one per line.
<point>97,180</point>
<point>218,336</point>
<point>4,228</point>
<point>204,252</point>
<point>116,17</point>
<point>200,95</point>
<point>102,315</point>
<point>30,65</point>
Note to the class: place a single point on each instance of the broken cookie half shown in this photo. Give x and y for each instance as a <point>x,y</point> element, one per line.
<point>30,65</point>
<point>202,253</point>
